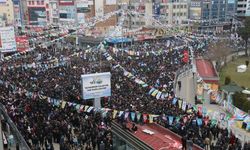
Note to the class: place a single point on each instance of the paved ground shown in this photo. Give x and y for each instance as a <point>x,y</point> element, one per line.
<point>187,92</point>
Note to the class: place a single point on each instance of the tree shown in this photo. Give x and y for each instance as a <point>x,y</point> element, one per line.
<point>239,100</point>
<point>219,51</point>
<point>244,32</point>
<point>247,63</point>
<point>227,80</point>
<point>246,106</point>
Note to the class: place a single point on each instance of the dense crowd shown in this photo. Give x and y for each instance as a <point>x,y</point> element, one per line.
<point>43,124</point>
<point>155,62</point>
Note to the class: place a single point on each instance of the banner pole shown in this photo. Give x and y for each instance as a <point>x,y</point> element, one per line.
<point>97,102</point>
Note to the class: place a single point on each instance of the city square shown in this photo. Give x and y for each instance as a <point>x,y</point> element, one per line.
<point>124,74</point>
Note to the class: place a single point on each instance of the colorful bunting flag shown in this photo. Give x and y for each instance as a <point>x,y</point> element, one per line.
<point>154,93</point>
<point>199,121</point>
<point>180,103</point>
<point>114,113</point>
<point>132,115</point>
<point>145,118</point>
<point>151,118</point>
<point>138,116</point>
<point>158,95</point>
<point>174,101</point>
<point>184,105</point>
<point>170,119</point>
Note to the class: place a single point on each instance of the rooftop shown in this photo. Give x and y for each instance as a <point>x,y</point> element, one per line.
<point>206,69</point>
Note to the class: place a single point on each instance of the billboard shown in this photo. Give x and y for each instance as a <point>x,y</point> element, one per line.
<point>82,6</point>
<point>66,2</point>
<point>7,39</point>
<point>195,13</point>
<point>82,3</point>
<point>96,85</point>
<point>231,1</point>
<point>110,2</point>
<point>37,15</point>
<point>99,8</point>
<point>22,43</point>
<point>3,1</point>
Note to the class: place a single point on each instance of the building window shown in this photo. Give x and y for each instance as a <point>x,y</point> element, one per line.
<point>29,2</point>
<point>33,3</point>
<point>42,2</point>
<point>174,6</point>
<point>173,14</point>
<point>38,2</point>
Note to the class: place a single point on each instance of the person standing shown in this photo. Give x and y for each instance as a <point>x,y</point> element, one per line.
<point>189,144</point>
<point>207,143</point>
<point>184,142</point>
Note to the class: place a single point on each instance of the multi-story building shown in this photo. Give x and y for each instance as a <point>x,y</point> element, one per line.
<point>98,8</point>
<point>6,12</point>
<point>152,12</point>
<point>243,8</point>
<point>53,12</point>
<point>175,12</point>
<point>37,12</point>
<point>67,11</point>
<point>17,13</point>
<point>141,13</point>
<point>211,14</point>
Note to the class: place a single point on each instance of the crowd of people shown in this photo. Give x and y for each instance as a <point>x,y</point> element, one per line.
<point>154,61</point>
<point>43,124</point>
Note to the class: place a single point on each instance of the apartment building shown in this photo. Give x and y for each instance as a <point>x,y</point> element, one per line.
<point>212,14</point>
<point>6,12</point>
<point>141,13</point>
<point>152,12</point>
<point>37,12</point>
<point>53,11</point>
<point>175,12</point>
<point>243,8</point>
<point>98,8</point>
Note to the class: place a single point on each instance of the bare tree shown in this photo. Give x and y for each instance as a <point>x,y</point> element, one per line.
<point>219,51</point>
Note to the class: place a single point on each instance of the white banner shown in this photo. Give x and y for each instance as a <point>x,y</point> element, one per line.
<point>99,8</point>
<point>7,39</point>
<point>110,2</point>
<point>96,85</point>
<point>82,3</point>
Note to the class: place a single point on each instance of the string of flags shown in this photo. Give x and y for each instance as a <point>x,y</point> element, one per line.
<point>88,25</point>
<point>152,90</point>
<point>133,116</point>
<point>53,63</point>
